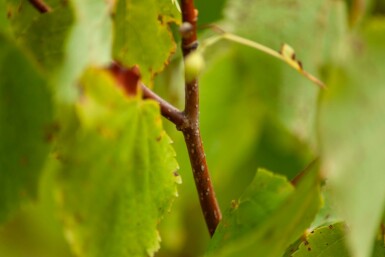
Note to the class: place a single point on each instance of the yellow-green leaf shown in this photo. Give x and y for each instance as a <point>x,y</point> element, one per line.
<point>118,175</point>
<point>142,36</point>
<point>285,222</point>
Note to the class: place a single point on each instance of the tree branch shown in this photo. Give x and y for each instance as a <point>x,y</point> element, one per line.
<point>189,125</point>
<point>189,16</point>
<point>40,5</point>
<point>186,121</point>
<point>192,136</point>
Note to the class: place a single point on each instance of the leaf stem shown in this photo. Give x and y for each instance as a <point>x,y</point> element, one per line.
<point>40,5</point>
<point>290,60</point>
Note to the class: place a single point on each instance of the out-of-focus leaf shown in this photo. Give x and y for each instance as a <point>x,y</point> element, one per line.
<point>378,7</point>
<point>176,4</point>
<point>36,227</point>
<point>89,43</point>
<point>142,36</point>
<point>25,127</point>
<point>309,27</point>
<point>118,175</point>
<point>4,18</point>
<point>277,231</point>
<point>352,128</point>
<point>209,11</point>
<point>379,249</point>
<point>66,40</point>
<point>357,10</point>
<point>43,35</point>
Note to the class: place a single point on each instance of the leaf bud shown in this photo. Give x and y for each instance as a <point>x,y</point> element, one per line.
<point>194,64</point>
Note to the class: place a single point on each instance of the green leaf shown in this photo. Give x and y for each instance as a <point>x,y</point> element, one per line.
<point>118,176</point>
<point>36,226</point>
<point>324,242</point>
<point>330,241</point>
<point>25,127</point>
<point>277,230</point>
<point>142,36</point>
<point>352,128</point>
<point>263,196</point>
<point>209,11</point>
<point>379,248</point>
<point>5,25</point>
<point>43,35</point>
<point>66,40</point>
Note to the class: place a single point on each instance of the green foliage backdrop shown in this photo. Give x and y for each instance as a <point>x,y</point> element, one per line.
<point>87,170</point>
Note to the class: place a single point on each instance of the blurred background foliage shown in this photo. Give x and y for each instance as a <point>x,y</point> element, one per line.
<point>255,112</point>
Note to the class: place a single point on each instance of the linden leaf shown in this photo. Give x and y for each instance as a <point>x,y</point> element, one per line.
<point>118,177</point>
<point>142,35</point>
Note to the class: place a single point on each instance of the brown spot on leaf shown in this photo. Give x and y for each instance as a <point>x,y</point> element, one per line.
<point>127,78</point>
<point>330,226</point>
<point>40,6</point>
<point>309,249</point>
<point>306,242</point>
<point>160,19</point>
<point>300,64</point>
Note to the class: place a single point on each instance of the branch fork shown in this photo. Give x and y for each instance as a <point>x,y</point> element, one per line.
<point>186,121</point>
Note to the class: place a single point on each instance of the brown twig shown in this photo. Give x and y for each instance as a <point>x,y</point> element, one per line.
<point>189,16</point>
<point>190,128</point>
<point>40,5</point>
<point>302,173</point>
<point>208,201</point>
<point>168,111</point>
